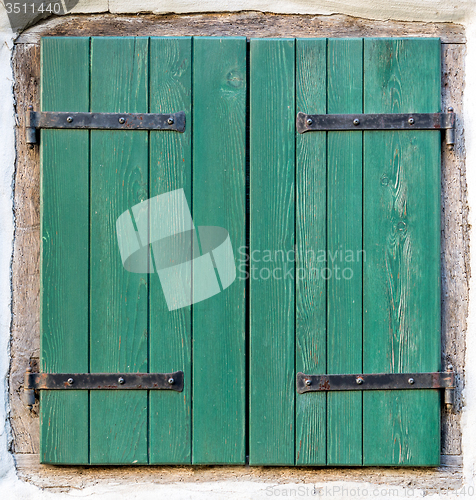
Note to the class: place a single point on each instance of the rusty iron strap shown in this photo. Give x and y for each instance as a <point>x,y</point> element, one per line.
<point>104,381</point>
<point>102,121</point>
<point>379,121</point>
<point>378,382</point>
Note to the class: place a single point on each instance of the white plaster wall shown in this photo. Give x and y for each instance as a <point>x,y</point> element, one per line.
<point>462,11</point>
<point>469,414</point>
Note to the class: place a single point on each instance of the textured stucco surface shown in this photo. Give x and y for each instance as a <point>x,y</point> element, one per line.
<point>228,484</point>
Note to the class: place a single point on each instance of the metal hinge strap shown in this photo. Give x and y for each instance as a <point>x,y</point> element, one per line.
<point>378,382</point>
<point>100,381</point>
<point>102,121</point>
<point>382,121</point>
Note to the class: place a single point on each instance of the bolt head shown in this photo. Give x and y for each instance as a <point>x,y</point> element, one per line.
<point>122,120</point>
<point>359,380</point>
<point>171,381</point>
<point>70,381</point>
<point>308,382</point>
<point>309,121</point>
<point>411,121</point>
<point>356,121</point>
<point>170,120</point>
<point>450,110</point>
<point>411,381</point>
<point>69,119</point>
<point>121,380</point>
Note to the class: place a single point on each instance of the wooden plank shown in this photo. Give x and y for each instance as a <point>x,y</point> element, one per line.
<point>170,331</point>
<point>219,156</point>
<point>402,248</point>
<point>65,248</point>
<point>311,213</point>
<point>344,243</point>
<point>251,24</point>
<point>119,299</point>
<point>272,220</point>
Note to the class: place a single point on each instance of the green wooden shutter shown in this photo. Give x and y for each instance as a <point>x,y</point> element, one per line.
<point>362,204</point>
<point>96,316</point>
<point>370,197</point>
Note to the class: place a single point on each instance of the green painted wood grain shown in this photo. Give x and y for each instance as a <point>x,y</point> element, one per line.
<point>219,155</point>
<point>119,299</point>
<point>311,211</point>
<point>402,246</point>
<point>64,250</point>
<point>272,219</point>
<point>170,91</point>
<point>344,243</point>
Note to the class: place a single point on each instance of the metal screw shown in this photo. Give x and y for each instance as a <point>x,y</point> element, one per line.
<point>450,110</point>
<point>308,382</point>
<point>411,121</point>
<point>171,381</point>
<point>411,381</point>
<point>356,121</point>
<point>450,368</point>
<point>69,119</point>
<point>70,381</point>
<point>309,121</point>
<point>30,107</point>
<point>359,380</point>
<point>170,120</point>
<point>121,380</point>
<point>122,120</point>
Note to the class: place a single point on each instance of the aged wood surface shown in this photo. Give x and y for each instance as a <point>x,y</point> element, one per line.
<point>455,270</point>
<point>65,251</point>
<point>250,24</point>
<point>401,291</point>
<point>25,264</point>
<point>344,235</point>
<point>170,168</point>
<point>219,128</point>
<point>272,205</point>
<point>119,336</point>
<point>311,217</point>
<point>26,255</point>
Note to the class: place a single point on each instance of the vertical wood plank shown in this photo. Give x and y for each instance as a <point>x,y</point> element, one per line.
<point>65,248</point>
<point>311,213</point>
<point>219,117</point>
<point>272,240</point>
<point>402,243</point>
<point>170,91</point>
<point>344,245</point>
<point>119,180</point>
